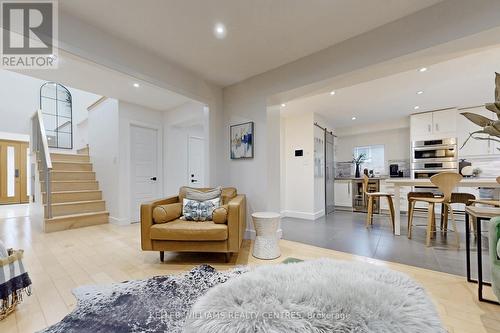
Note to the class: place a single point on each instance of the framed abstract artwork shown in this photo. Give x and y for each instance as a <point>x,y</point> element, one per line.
<point>242,140</point>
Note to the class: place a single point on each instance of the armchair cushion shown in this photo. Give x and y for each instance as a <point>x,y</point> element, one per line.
<point>220,214</point>
<point>167,213</point>
<point>180,230</point>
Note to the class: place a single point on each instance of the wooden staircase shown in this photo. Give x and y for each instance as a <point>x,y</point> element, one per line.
<point>76,200</point>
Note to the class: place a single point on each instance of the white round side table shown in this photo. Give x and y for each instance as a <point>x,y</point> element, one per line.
<point>266,241</point>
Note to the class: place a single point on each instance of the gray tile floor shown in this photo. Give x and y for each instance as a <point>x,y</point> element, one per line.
<point>346,232</point>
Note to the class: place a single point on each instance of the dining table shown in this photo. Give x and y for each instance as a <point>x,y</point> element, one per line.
<point>426,182</point>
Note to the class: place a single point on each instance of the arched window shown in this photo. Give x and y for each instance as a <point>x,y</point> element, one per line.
<point>56,106</point>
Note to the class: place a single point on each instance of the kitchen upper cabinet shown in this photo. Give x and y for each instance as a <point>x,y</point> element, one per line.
<point>445,123</point>
<point>433,125</point>
<point>474,147</point>
<point>343,193</point>
<point>421,126</point>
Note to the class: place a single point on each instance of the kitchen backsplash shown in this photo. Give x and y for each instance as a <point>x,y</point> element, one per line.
<point>490,167</point>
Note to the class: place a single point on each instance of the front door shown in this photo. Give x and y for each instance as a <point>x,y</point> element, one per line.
<point>196,162</point>
<point>13,172</point>
<point>143,168</point>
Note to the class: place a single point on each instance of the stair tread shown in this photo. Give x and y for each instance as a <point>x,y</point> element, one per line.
<point>78,215</point>
<point>73,191</point>
<point>79,171</point>
<point>75,202</point>
<point>72,181</point>
<point>71,162</point>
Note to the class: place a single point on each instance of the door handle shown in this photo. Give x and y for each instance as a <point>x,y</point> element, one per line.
<point>194,181</point>
<point>429,128</point>
<point>16,173</point>
<point>437,127</point>
<point>153,178</point>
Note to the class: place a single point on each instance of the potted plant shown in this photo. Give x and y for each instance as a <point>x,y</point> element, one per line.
<point>360,159</point>
<point>490,128</point>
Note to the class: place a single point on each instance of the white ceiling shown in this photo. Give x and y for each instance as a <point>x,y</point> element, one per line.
<point>261,34</point>
<point>78,73</point>
<point>460,82</point>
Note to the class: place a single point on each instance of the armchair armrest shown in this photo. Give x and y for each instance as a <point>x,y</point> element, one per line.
<point>147,219</point>
<point>236,222</point>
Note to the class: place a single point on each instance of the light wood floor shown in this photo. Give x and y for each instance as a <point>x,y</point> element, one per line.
<point>61,261</point>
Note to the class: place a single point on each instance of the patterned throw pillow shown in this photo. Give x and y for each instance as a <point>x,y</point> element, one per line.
<point>193,210</point>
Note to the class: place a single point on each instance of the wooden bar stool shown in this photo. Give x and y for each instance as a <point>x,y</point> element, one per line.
<point>446,182</point>
<point>371,196</point>
<point>460,198</point>
<point>416,195</point>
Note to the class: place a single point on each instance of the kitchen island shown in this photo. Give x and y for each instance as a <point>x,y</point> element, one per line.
<point>401,182</point>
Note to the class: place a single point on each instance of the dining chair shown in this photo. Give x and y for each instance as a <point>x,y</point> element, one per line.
<point>371,196</point>
<point>446,182</point>
<point>416,195</point>
<point>456,198</point>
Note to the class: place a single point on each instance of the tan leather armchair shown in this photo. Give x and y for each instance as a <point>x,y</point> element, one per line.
<point>191,236</point>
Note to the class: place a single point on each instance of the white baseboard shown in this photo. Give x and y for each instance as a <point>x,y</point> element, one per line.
<point>299,215</point>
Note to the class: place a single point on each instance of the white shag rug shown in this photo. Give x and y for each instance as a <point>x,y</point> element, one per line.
<point>316,296</point>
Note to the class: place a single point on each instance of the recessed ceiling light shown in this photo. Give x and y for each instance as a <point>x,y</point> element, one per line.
<point>283,105</point>
<point>423,69</point>
<point>332,92</point>
<point>220,30</point>
<point>420,92</point>
<point>353,118</point>
<point>137,85</point>
<point>416,107</point>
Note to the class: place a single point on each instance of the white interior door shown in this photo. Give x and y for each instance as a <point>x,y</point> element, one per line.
<point>143,168</point>
<point>196,161</point>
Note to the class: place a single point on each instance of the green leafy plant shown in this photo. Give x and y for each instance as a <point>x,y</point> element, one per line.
<point>490,128</point>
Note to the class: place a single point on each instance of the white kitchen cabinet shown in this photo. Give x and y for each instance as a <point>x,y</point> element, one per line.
<point>389,188</point>
<point>343,193</point>
<point>445,123</point>
<point>474,147</point>
<point>433,125</point>
<point>421,126</point>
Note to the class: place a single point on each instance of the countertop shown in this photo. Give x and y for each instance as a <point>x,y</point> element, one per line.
<point>469,182</point>
<point>360,178</point>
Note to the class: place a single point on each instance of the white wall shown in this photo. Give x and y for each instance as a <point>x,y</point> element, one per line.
<point>20,98</point>
<point>396,144</point>
<point>104,153</point>
<point>299,174</point>
<point>189,119</point>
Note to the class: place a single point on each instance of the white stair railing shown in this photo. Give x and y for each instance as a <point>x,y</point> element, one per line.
<point>41,148</point>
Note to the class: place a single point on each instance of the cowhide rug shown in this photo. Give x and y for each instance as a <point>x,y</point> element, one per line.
<point>158,304</point>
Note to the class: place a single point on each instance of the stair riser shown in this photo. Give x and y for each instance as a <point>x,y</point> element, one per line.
<point>72,197</point>
<point>69,158</point>
<point>72,186</point>
<point>70,175</point>
<point>77,208</point>
<point>58,166</point>
<point>75,222</point>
